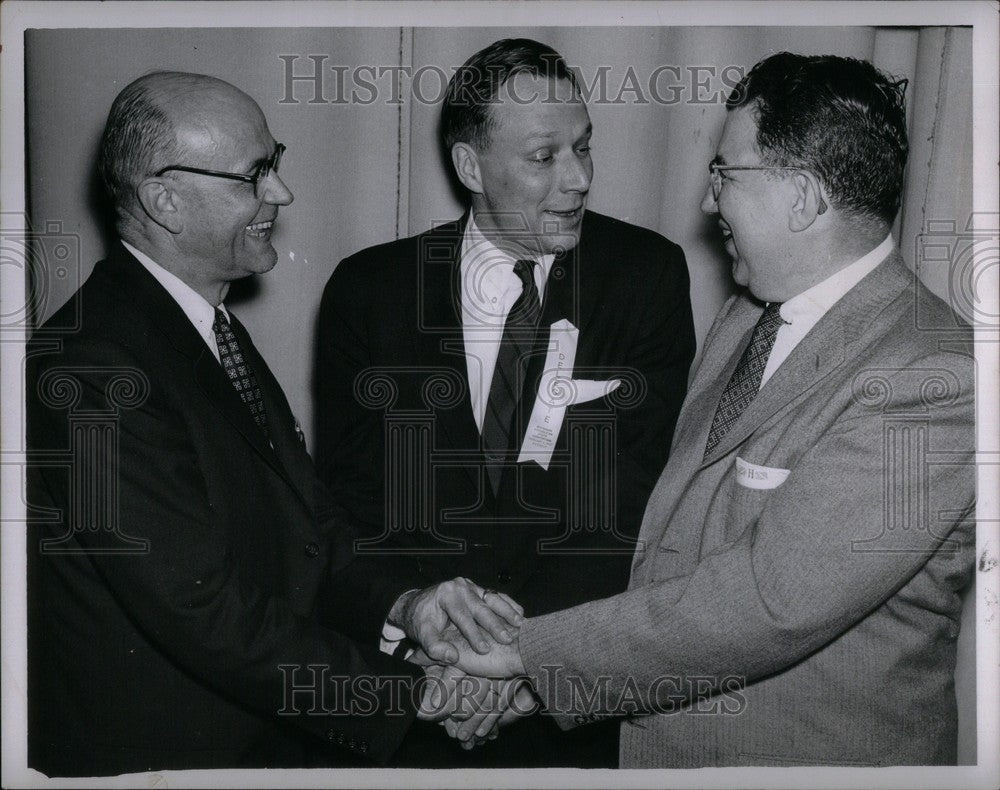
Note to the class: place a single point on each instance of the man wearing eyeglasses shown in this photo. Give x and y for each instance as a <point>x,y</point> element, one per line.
<point>189,579</point>
<point>796,597</point>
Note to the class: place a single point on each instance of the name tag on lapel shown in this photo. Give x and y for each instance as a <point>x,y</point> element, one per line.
<point>553,397</point>
<point>556,391</point>
<point>757,477</point>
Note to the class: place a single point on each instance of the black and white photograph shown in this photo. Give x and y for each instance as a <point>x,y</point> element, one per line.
<point>500,394</point>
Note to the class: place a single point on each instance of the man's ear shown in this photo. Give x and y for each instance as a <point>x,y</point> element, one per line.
<point>809,202</point>
<point>466,162</point>
<point>160,203</point>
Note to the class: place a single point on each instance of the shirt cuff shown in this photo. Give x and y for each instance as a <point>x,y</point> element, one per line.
<point>391,637</point>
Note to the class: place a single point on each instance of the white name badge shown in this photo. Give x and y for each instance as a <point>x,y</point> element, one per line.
<point>557,389</point>
<point>751,475</point>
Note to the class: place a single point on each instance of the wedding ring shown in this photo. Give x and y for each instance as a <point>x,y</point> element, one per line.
<point>487,592</point>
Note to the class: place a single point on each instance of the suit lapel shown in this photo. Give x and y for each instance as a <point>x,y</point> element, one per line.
<point>293,462</point>
<point>834,338</point>
<point>573,292</point>
<point>439,342</point>
<point>557,304</point>
<point>130,278</point>
<point>822,350</point>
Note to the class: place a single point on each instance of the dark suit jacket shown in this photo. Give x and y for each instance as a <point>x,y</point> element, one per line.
<point>807,619</point>
<point>391,373</point>
<point>175,559</point>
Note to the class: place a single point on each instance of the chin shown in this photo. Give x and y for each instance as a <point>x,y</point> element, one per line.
<point>739,274</point>
<point>554,243</point>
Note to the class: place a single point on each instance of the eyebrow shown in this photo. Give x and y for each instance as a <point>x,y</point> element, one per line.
<point>540,135</point>
<point>261,160</point>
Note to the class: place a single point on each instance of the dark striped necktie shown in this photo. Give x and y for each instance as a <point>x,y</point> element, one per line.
<point>238,369</point>
<point>508,376</point>
<point>745,381</point>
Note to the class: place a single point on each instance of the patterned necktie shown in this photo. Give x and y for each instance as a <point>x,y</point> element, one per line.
<point>508,375</point>
<point>745,382</point>
<point>238,369</point>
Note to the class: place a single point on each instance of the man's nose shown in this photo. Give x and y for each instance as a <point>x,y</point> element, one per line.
<point>709,204</point>
<point>275,191</point>
<point>577,174</point>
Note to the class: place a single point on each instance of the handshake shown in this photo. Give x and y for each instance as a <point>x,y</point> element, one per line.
<point>469,653</point>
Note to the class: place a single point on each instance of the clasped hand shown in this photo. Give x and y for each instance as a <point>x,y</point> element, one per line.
<point>468,639</point>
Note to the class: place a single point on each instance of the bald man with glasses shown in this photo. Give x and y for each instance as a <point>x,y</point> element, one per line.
<point>191,585</point>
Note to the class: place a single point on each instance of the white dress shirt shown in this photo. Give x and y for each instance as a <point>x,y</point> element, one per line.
<point>197,309</point>
<point>801,313</point>
<point>489,289</point>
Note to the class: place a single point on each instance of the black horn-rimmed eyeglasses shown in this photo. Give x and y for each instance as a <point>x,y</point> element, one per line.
<point>257,178</point>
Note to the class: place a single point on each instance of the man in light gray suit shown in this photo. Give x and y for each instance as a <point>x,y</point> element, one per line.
<point>795,597</point>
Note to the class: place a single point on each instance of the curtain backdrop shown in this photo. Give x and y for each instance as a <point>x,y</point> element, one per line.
<point>366,166</point>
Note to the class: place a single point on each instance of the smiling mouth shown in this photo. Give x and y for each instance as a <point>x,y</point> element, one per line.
<point>260,230</point>
<point>573,213</point>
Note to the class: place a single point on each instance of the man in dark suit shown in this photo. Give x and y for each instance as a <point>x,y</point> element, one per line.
<point>495,396</point>
<point>187,571</point>
<point>796,597</point>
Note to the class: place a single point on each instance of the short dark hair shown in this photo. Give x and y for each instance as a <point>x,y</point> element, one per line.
<point>466,116</point>
<point>839,117</point>
<point>138,139</point>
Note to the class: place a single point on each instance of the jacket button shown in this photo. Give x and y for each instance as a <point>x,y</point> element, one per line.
<point>331,735</point>
<point>503,577</point>
<point>312,550</point>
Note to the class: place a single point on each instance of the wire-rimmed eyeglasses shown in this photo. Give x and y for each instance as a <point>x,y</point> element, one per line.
<point>715,173</point>
<point>257,178</point>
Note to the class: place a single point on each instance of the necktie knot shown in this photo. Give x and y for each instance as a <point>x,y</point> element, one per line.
<point>220,324</point>
<point>524,269</point>
<point>770,320</point>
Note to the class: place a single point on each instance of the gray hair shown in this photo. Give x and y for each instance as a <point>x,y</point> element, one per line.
<point>139,136</point>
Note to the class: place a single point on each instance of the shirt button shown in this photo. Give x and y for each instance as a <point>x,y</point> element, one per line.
<point>503,577</point>
<point>312,550</point>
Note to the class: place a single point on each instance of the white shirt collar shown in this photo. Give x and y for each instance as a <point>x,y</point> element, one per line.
<point>801,313</point>
<point>812,304</point>
<point>490,268</point>
<point>197,309</point>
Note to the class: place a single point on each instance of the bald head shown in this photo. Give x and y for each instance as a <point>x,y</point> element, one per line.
<point>161,119</point>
